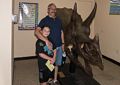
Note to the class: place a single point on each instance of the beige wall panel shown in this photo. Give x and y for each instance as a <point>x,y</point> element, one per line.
<point>24,40</point>
<point>108,28</point>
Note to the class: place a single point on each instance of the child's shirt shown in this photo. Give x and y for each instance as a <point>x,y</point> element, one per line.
<point>41,47</point>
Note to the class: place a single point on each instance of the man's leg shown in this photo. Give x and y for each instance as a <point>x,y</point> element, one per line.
<point>58,61</point>
<point>56,72</point>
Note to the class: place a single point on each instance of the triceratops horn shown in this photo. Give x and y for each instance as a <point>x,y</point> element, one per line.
<point>74,13</point>
<point>75,7</point>
<point>88,21</point>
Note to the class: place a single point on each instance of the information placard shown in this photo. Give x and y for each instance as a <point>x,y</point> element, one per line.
<point>28,16</point>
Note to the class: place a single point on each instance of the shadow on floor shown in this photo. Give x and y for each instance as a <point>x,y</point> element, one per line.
<point>77,78</point>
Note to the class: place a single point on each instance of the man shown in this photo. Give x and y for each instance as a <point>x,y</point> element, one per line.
<point>56,36</point>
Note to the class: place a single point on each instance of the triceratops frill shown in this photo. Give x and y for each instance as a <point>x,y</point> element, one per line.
<point>77,41</point>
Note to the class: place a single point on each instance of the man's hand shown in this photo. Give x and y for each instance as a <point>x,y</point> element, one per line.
<point>49,44</point>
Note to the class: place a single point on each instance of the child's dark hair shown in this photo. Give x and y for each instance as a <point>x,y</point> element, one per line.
<point>45,26</point>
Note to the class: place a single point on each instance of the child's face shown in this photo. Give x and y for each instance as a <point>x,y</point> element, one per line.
<point>46,31</point>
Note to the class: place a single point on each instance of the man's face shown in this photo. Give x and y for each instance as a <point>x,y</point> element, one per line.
<point>52,11</point>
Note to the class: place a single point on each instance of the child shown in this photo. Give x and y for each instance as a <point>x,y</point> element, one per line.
<point>44,54</point>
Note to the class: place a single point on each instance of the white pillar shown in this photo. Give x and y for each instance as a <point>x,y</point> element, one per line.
<point>5,42</point>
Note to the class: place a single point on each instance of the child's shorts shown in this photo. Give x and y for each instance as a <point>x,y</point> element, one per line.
<point>44,75</point>
<point>59,53</point>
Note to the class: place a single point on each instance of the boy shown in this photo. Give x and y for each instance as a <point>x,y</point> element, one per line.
<point>44,54</point>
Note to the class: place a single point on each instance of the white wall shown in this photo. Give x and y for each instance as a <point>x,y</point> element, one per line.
<point>108,27</point>
<point>5,42</point>
<point>24,41</point>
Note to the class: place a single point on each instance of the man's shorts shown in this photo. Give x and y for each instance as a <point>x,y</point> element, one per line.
<point>44,75</point>
<point>59,53</point>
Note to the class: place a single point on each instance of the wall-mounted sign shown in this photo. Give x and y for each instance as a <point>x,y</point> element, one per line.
<point>115,7</point>
<point>28,16</point>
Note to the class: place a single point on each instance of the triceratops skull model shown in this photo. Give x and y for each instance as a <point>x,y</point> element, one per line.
<point>76,34</point>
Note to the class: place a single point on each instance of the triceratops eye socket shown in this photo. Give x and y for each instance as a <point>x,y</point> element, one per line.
<point>91,48</point>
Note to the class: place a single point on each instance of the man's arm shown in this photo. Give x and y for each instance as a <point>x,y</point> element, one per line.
<point>62,37</point>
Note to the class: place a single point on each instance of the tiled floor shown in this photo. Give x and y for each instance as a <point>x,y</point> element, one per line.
<point>26,73</point>
<point>109,76</point>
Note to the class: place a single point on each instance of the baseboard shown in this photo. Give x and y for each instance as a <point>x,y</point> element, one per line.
<point>111,60</point>
<point>34,57</point>
<point>25,58</point>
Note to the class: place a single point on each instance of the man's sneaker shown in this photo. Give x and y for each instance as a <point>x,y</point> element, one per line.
<point>56,82</point>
